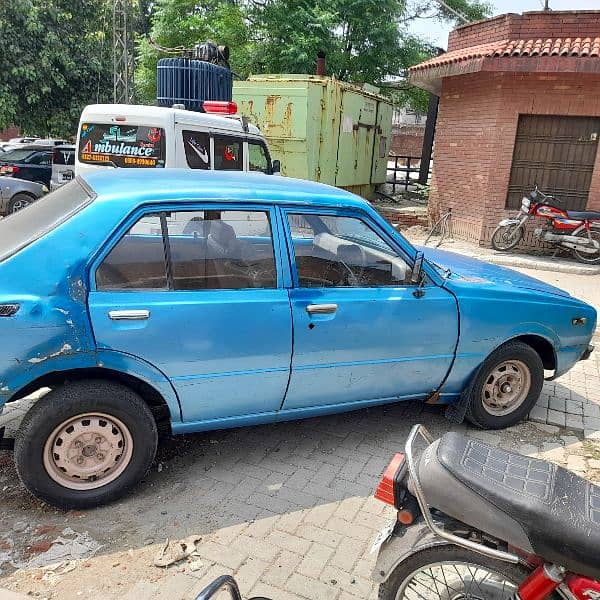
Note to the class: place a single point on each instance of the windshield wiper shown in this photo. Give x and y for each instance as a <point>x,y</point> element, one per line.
<point>445,270</point>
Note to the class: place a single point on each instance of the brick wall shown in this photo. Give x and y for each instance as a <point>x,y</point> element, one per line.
<point>475,137</point>
<point>9,132</point>
<point>407,140</point>
<point>536,24</point>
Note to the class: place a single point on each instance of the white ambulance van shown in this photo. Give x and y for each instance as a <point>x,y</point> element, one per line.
<point>136,136</point>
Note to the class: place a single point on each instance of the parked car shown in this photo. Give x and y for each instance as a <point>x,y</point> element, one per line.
<point>177,301</point>
<point>16,194</point>
<point>31,162</point>
<point>63,165</point>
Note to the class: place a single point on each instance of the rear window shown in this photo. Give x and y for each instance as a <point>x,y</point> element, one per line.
<point>122,145</point>
<point>18,154</point>
<point>31,223</point>
<point>63,156</point>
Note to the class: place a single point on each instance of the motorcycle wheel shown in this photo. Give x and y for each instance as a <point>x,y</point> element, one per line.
<point>505,237</point>
<point>590,259</point>
<point>453,573</point>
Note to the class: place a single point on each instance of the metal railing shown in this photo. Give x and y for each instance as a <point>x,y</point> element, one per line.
<point>408,167</point>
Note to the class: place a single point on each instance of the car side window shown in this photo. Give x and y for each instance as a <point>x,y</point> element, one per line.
<point>215,250</point>
<point>197,149</point>
<point>228,153</point>
<point>258,159</point>
<point>339,251</point>
<point>137,261</point>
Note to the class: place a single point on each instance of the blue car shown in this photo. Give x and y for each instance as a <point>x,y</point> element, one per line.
<point>176,301</point>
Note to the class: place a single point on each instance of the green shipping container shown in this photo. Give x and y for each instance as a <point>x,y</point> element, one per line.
<point>321,128</point>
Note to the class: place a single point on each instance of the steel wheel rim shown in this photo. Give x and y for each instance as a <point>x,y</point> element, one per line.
<point>506,387</point>
<point>88,451</point>
<point>595,236</point>
<point>455,580</point>
<point>20,205</point>
<point>505,237</point>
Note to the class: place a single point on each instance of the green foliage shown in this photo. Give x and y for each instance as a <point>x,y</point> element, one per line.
<point>364,40</point>
<point>54,59</point>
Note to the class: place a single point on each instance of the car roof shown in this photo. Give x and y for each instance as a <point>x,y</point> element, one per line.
<point>160,185</point>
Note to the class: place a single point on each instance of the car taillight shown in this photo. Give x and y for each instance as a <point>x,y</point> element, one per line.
<point>388,489</point>
<point>9,169</point>
<point>219,107</point>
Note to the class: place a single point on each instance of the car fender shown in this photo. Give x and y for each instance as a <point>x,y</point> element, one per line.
<point>400,546</point>
<point>506,222</point>
<point>147,372</point>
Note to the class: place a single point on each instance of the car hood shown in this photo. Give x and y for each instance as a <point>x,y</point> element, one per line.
<point>478,271</point>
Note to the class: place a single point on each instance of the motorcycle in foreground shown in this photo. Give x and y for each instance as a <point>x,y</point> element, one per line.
<point>478,522</point>
<point>578,231</point>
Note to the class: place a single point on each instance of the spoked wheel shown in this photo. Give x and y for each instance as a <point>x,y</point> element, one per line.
<point>506,237</point>
<point>452,573</point>
<point>19,202</point>
<point>585,257</point>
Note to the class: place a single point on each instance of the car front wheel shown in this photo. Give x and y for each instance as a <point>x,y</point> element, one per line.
<point>19,202</point>
<point>506,387</point>
<point>85,444</point>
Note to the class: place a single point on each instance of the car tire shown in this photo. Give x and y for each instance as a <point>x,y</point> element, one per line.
<point>506,387</point>
<point>85,443</point>
<point>18,202</point>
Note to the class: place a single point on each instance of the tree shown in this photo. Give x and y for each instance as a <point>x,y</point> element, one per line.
<point>54,58</point>
<point>364,40</point>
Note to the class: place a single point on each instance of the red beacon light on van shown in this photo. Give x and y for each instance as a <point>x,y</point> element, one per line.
<point>220,107</point>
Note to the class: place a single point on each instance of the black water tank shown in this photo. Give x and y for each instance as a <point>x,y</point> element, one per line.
<point>190,82</point>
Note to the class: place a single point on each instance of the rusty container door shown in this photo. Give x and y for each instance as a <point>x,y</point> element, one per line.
<point>356,137</point>
<point>557,154</point>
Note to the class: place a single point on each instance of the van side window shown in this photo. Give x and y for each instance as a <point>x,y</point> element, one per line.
<point>258,158</point>
<point>228,153</point>
<point>197,149</point>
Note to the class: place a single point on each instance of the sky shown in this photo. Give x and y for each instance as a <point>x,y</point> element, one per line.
<point>437,33</point>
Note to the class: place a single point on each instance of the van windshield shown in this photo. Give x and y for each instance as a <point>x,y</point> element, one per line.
<point>31,223</point>
<point>121,145</point>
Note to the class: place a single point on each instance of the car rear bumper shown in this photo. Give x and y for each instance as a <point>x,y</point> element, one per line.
<point>587,352</point>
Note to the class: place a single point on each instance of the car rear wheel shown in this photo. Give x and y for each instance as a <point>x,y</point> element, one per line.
<point>506,387</point>
<point>18,202</point>
<point>85,444</point>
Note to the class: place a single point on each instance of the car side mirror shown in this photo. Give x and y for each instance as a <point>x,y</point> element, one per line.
<point>417,270</point>
<point>276,167</point>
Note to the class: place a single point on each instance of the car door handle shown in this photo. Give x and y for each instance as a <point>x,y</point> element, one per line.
<point>321,309</point>
<point>128,315</point>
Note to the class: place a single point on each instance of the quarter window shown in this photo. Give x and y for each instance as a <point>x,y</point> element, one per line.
<point>137,261</point>
<point>335,251</point>
<point>197,149</point>
<point>228,153</point>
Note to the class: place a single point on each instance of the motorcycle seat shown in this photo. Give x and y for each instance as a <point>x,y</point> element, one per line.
<point>532,504</point>
<point>589,215</point>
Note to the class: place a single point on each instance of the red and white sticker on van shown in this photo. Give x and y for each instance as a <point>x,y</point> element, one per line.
<point>121,145</point>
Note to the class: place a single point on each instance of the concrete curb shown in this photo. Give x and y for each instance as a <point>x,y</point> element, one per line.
<point>540,264</point>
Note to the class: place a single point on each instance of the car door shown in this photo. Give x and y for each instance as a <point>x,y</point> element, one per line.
<point>38,167</point>
<point>198,294</point>
<point>362,331</point>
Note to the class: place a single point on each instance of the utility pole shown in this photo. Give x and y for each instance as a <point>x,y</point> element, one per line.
<point>123,89</point>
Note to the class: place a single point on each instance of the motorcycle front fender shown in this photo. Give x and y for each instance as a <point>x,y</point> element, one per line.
<point>402,544</point>
<point>506,222</point>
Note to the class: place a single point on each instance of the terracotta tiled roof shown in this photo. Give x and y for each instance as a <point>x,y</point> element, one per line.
<point>577,47</point>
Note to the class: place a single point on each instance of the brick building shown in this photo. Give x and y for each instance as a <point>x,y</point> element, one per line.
<point>519,105</point>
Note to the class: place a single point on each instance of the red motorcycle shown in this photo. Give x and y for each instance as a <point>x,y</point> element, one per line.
<point>578,231</point>
<point>481,523</point>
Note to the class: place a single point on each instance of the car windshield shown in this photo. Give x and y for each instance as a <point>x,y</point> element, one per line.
<point>20,229</point>
<point>17,155</point>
